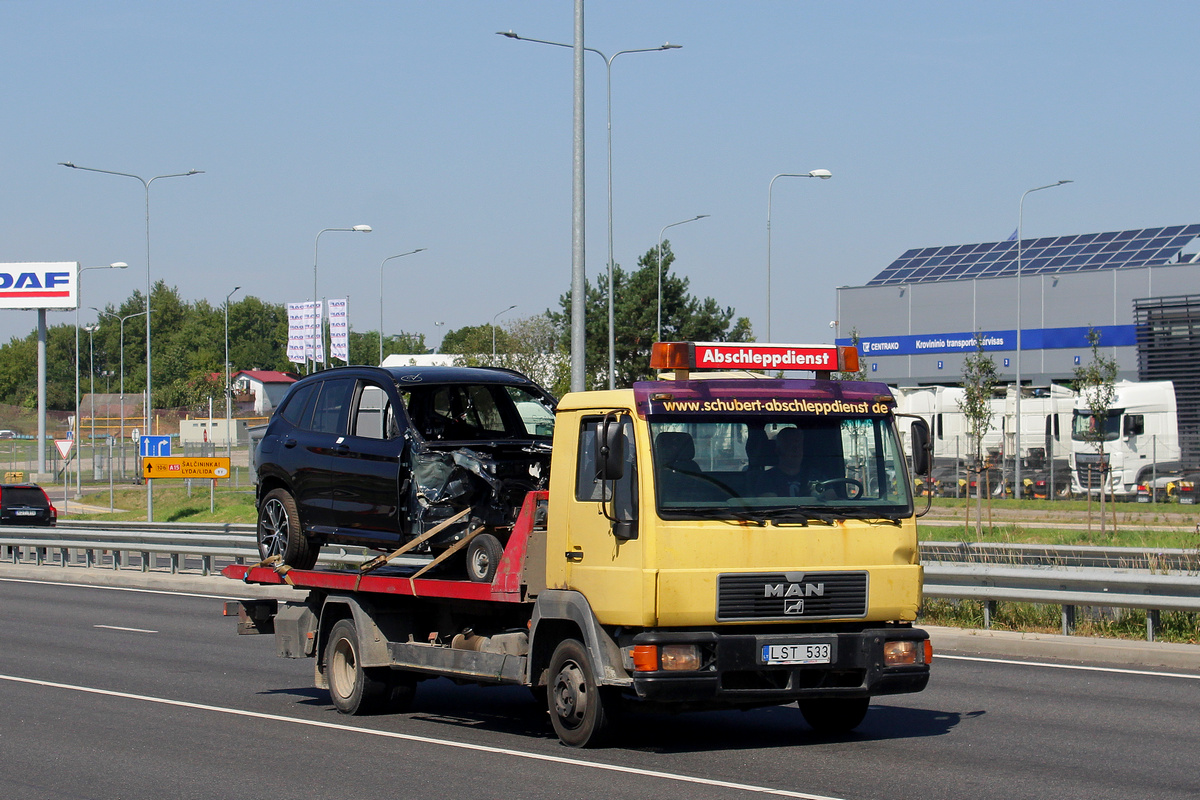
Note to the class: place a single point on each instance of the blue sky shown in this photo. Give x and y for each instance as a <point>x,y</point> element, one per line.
<point>415,118</point>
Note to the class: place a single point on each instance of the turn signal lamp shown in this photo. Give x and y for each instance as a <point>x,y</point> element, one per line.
<point>905,653</point>
<point>645,658</point>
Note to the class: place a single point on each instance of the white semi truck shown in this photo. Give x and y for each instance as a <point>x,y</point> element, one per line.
<point>1141,440</point>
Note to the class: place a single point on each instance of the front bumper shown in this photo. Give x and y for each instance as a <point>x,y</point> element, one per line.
<point>733,672</point>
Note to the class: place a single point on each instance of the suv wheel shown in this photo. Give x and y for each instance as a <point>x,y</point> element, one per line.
<point>279,531</point>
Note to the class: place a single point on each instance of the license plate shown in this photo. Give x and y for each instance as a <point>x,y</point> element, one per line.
<point>1143,498</point>
<point>21,512</point>
<point>1187,499</point>
<point>821,653</point>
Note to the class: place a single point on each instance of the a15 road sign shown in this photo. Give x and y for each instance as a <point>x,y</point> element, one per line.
<point>156,468</point>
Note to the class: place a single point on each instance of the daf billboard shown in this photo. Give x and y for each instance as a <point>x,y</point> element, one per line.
<point>38,284</point>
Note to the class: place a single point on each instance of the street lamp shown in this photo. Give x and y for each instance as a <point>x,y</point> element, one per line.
<point>149,287</point>
<point>381,263</point>
<point>317,320</point>
<point>228,388</point>
<point>658,336</point>
<point>78,300</point>
<point>91,329</point>
<point>612,369</point>
<point>1017,436</point>
<point>505,311</point>
<point>122,321</point>
<point>824,175</point>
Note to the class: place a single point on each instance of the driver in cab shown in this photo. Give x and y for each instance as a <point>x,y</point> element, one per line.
<point>789,478</point>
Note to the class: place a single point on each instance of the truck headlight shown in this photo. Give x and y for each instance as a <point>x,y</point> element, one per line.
<point>904,653</point>
<point>679,656</point>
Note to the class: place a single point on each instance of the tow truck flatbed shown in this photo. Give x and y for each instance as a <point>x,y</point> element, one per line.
<point>506,587</point>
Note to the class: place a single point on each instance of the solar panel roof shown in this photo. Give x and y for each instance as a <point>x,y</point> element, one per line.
<point>1149,247</point>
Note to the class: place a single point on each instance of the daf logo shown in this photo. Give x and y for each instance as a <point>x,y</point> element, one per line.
<point>793,590</point>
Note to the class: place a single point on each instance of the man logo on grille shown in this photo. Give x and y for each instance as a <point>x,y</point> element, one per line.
<point>794,607</point>
<point>793,590</point>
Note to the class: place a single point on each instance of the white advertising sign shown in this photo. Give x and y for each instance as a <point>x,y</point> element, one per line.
<point>339,329</point>
<point>302,332</point>
<point>38,284</point>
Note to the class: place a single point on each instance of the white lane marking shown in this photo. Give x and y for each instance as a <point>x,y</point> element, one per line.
<point>1080,667</point>
<point>126,589</point>
<point>670,776</point>
<point>119,628</point>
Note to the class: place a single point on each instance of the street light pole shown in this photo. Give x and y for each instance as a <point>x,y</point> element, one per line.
<point>824,175</point>
<point>608,61</point>
<point>228,388</point>
<point>1017,435</point>
<point>658,336</point>
<point>381,263</point>
<point>91,329</point>
<point>122,321</point>
<point>505,311</point>
<point>149,288</point>
<point>318,319</point>
<point>78,301</point>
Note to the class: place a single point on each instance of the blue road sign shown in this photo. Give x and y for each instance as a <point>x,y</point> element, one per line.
<point>156,446</point>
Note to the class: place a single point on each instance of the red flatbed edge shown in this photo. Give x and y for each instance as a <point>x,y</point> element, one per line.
<point>505,587</point>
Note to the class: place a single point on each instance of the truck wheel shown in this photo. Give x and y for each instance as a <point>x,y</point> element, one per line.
<point>354,690</point>
<point>576,703</point>
<point>483,558</point>
<point>279,531</point>
<point>834,715</point>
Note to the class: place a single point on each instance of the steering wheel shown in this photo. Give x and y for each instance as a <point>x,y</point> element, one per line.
<point>854,489</point>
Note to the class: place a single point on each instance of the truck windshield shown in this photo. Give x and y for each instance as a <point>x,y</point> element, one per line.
<point>795,469</point>
<point>1087,427</point>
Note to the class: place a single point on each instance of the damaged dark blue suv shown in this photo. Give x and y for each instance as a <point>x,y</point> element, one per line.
<point>377,457</point>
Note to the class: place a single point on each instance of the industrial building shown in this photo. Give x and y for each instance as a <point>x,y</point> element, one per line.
<point>1140,289</point>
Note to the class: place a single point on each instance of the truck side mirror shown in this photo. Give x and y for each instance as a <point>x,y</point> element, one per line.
<point>922,448</point>
<point>610,449</point>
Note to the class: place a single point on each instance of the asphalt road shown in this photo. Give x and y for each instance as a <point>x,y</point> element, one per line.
<point>113,693</point>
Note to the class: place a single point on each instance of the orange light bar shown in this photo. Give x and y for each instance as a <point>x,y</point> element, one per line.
<point>671,355</point>
<point>848,358</point>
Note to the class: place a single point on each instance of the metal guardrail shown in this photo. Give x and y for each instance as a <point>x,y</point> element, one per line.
<point>1110,577</point>
<point>111,545</point>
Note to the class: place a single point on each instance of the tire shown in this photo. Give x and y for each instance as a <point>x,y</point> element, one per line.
<point>352,689</point>
<point>483,558</point>
<point>279,532</point>
<point>579,709</point>
<point>834,715</point>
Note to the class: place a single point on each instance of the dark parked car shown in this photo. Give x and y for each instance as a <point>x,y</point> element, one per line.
<point>378,457</point>
<point>26,504</point>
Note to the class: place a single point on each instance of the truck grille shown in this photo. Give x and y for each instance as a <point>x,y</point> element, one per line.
<point>792,595</point>
<point>1090,470</point>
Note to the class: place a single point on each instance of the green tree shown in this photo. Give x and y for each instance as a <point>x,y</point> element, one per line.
<point>635,319</point>
<point>475,340</point>
<point>364,347</point>
<point>1094,382</point>
<point>979,380</point>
